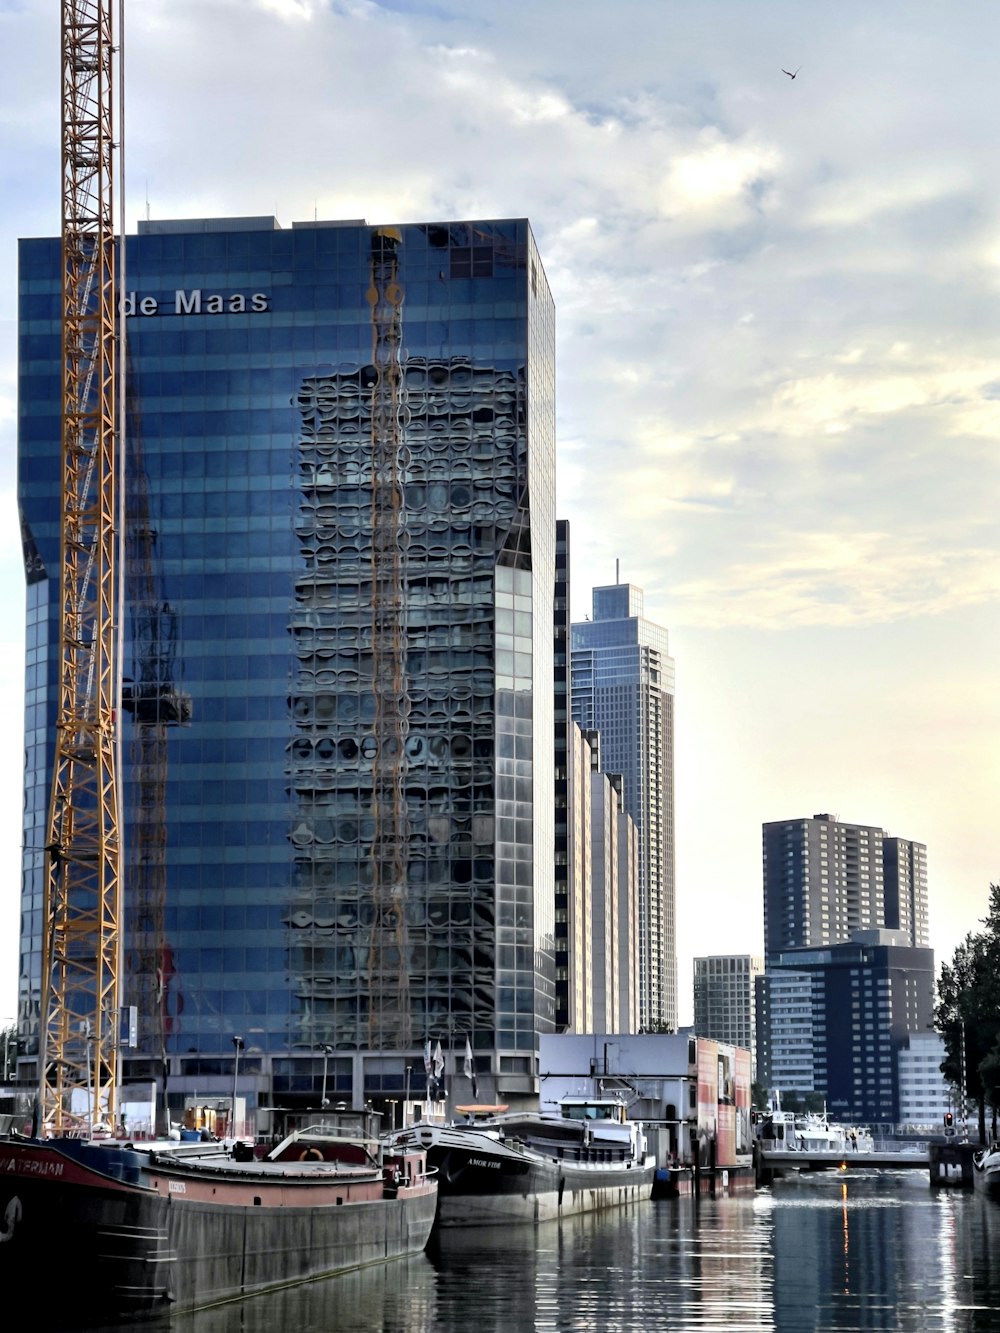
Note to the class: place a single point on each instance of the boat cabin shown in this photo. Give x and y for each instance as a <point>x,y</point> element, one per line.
<point>593,1108</point>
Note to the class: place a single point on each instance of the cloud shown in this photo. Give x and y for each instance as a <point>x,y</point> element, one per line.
<point>713,177</point>
<point>778,353</point>
<point>841,578</point>
<point>955,389</point>
<point>290,9</point>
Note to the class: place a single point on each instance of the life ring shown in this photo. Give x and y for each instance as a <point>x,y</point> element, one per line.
<point>395,1175</point>
<point>310,1155</point>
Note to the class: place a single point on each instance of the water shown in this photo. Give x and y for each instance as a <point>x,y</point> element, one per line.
<point>825,1251</point>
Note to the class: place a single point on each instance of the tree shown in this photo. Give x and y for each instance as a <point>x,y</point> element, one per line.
<point>967,1013</point>
<point>989,1073</point>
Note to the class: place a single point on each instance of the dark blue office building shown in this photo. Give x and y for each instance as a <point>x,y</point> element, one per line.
<point>337,717</point>
<point>838,1018</point>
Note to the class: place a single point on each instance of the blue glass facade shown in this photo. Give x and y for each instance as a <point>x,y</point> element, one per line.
<point>337,726</point>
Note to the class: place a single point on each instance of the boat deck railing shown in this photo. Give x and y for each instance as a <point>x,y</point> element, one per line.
<point>592,1153</point>
<point>336,1133</point>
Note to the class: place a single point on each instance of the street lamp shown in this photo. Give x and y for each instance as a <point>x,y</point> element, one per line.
<point>8,1028</point>
<point>327,1052</point>
<point>238,1046</point>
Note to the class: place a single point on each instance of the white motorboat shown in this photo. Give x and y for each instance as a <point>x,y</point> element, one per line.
<point>789,1131</point>
<point>986,1170</point>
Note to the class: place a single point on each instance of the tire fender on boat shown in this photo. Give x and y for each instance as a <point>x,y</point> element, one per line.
<point>11,1217</point>
<point>310,1155</point>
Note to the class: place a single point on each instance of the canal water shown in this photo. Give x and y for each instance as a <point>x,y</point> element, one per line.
<point>816,1252</point>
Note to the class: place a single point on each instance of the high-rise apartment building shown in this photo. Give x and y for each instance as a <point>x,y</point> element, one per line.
<point>575,902</point>
<point>623,687</point>
<point>725,1003</point>
<point>904,874</point>
<point>615,898</point>
<point>824,879</point>
<point>597,919</point>
<point>337,724</point>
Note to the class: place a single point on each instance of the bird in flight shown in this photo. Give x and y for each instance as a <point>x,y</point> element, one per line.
<point>789,72</point>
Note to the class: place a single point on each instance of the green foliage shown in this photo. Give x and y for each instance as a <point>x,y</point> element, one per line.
<point>989,1072</point>
<point>967,1013</point>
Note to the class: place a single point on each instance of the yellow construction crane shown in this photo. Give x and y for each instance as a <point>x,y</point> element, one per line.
<point>82,893</point>
<point>389,1021</point>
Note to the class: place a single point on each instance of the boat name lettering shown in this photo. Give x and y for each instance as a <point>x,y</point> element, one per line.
<point>481,1161</point>
<point>176,1187</point>
<point>31,1168</point>
<point>197,302</point>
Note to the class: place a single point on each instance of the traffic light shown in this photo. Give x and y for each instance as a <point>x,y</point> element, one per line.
<point>949,1120</point>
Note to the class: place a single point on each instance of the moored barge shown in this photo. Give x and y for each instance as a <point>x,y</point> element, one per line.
<point>104,1230</point>
<point>498,1166</point>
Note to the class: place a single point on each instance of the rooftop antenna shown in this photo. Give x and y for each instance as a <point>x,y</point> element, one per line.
<point>617,563</point>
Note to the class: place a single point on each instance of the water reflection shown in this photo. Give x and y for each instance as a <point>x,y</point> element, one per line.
<point>820,1253</point>
<point>882,1252</point>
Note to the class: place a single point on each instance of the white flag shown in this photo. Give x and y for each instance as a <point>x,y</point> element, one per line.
<point>428,1062</point>
<point>470,1068</point>
<point>438,1062</point>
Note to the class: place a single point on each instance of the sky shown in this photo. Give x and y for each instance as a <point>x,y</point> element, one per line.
<point>778,353</point>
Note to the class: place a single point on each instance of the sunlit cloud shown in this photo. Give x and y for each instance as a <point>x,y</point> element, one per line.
<point>778,358</point>
<point>955,392</point>
<point>290,9</point>
<point>841,579</point>
<point>712,177</point>
<point>851,202</point>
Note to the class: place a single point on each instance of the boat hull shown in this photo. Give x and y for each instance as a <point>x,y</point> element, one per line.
<point>986,1174</point>
<point>483,1184</point>
<point>138,1240</point>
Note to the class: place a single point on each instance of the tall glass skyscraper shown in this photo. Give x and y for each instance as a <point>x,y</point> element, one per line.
<point>623,687</point>
<point>337,718</point>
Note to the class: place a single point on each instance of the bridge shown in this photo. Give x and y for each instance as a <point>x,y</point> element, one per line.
<point>948,1163</point>
<point>774,1160</point>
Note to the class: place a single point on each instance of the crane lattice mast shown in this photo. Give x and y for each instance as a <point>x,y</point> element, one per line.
<point>82,894</point>
<point>389,1019</point>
